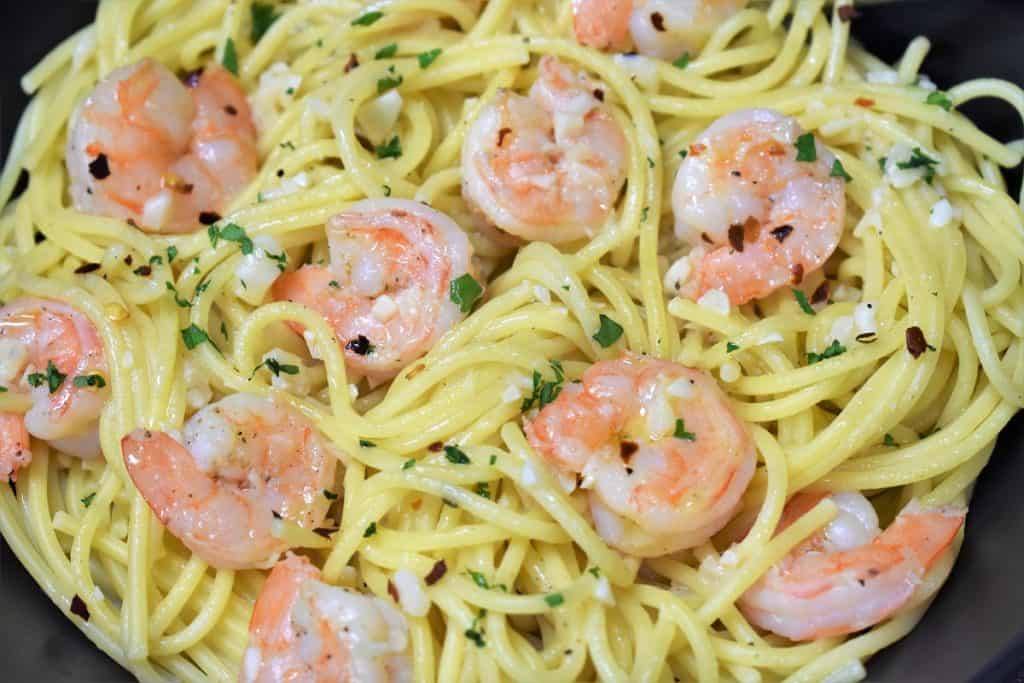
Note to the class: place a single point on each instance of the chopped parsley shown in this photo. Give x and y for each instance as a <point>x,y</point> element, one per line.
<point>370,530</point>
<point>608,333</point>
<point>650,162</point>
<point>427,58</point>
<point>275,367</point>
<point>831,351</point>
<point>387,51</point>
<point>391,80</point>
<point>367,19</point>
<point>455,455</point>
<point>493,459</point>
<point>263,17</point>
<point>683,153</point>
<point>52,377</point>
<point>193,336</point>
<point>882,162</point>
<point>839,172</point>
<point>281,259</point>
<point>544,392</point>
<point>230,58</point>
<point>409,464</point>
<point>363,443</point>
<point>889,441</point>
<point>182,303</point>
<point>801,299</point>
<point>595,572</point>
<point>730,347</point>
<point>464,291</point>
<point>681,432</point>
<point>805,148</point>
<point>330,495</point>
<point>683,61</point>
<point>87,501</point>
<point>387,190</point>
<point>554,599</point>
<point>3,390</point>
<point>479,579</point>
<point>231,232</point>
<point>919,159</point>
<point>477,636</point>
<point>94,380</point>
<point>483,489</point>
<point>392,150</point>
<point>939,99</point>
<point>334,284</point>
<point>172,253</point>
<point>643,214</point>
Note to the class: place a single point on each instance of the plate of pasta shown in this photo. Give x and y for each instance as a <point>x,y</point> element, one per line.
<point>562,340</point>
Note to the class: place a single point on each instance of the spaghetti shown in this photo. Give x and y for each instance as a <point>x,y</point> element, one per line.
<point>529,590</point>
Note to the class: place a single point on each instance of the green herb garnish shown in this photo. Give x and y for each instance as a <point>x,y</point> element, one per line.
<point>609,331</point>
<point>464,291</point>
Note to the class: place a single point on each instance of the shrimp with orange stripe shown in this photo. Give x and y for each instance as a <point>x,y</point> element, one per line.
<point>656,448</point>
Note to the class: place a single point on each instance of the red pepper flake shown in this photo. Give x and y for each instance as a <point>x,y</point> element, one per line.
<point>144,271</point>
<point>697,149</point>
<point>415,505</point>
<point>865,102</point>
<point>599,94</point>
<point>501,135</point>
<point>798,273</point>
<point>79,608</point>
<point>208,217</point>
<point>916,343</point>
<point>439,570</point>
<point>128,260</point>
<point>782,232</point>
<point>657,21</point>
<point>87,268</point>
<point>627,449</point>
<point>704,236</point>
<point>736,237</point>
<point>324,531</point>
<point>847,13</point>
<point>435,447</point>
<point>99,168</point>
<point>820,294</point>
<point>392,591</point>
<point>352,62</point>
<point>230,109</point>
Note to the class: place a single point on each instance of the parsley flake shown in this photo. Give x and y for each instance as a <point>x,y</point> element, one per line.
<point>370,530</point>
<point>730,347</point>
<point>889,441</point>
<point>367,19</point>
<point>839,172</point>
<point>392,150</point>
<point>231,232</point>
<point>363,443</point>
<point>464,291</point>
<point>919,159</point>
<point>52,377</point>
<point>94,380</point>
<point>806,150</point>
<point>87,500</point>
<point>390,80</point>
<point>483,489</point>
<point>230,58</point>
<point>276,368</point>
<point>263,17</point>
<point>193,336</point>
<point>683,61</point>
<point>681,433</point>
<point>801,299</point>
<point>330,495</point>
<point>939,99</point>
<point>427,58</point>
<point>172,253</point>
<point>387,51</point>
<point>408,464</point>
<point>608,333</point>
<point>554,599</point>
<point>455,455</point>
<point>544,392</point>
<point>831,351</point>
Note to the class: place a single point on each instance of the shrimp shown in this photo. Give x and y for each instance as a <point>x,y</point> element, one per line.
<point>305,631</point>
<point>165,156</point>
<point>756,217</point>
<point>387,292</point>
<point>662,455</point>
<point>666,29</point>
<point>548,166</point>
<point>242,462</point>
<point>51,354</point>
<point>851,575</point>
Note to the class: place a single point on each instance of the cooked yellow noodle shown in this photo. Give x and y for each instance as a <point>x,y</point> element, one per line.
<point>161,611</point>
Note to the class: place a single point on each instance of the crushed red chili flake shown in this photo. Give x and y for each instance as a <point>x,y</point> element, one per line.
<point>821,293</point>
<point>230,109</point>
<point>99,168</point>
<point>916,343</point>
<point>864,102</point>
<point>128,260</point>
<point>697,149</point>
<point>87,268</point>
<point>144,271</point>
<point>501,135</point>
<point>324,531</point>
<point>435,447</point>
<point>657,21</point>
<point>798,273</point>
<point>437,571</point>
<point>208,217</point>
<point>627,449</point>
<point>352,62</point>
<point>707,238</point>
<point>736,237</point>
<point>79,608</point>
<point>393,591</point>
<point>599,94</point>
<point>782,232</point>
<point>415,505</point>
<point>847,13</point>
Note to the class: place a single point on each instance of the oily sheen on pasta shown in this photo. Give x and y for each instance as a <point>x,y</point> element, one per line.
<point>860,385</point>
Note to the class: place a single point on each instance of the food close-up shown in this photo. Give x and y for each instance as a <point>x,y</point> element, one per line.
<point>485,340</point>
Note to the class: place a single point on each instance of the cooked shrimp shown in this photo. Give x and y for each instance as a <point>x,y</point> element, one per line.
<point>851,575</point>
<point>666,29</point>
<point>243,461</point>
<point>166,156</point>
<point>387,290</point>
<point>757,218</point>
<point>549,166</point>
<point>663,458</point>
<point>306,631</point>
<point>50,352</point>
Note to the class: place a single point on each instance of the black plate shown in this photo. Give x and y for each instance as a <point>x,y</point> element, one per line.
<point>974,630</point>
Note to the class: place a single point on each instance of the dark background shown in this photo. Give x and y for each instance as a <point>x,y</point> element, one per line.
<point>974,630</point>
